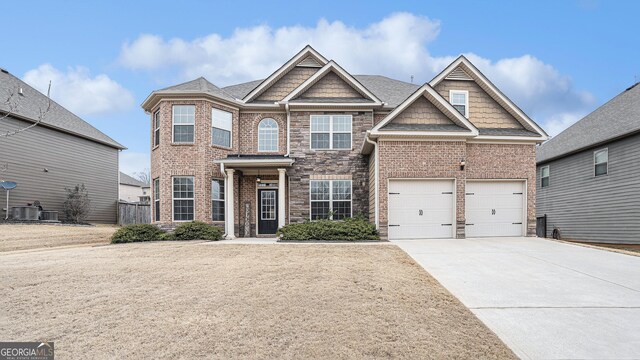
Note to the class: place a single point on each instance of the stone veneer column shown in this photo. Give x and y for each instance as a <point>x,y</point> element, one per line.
<point>281,197</point>
<point>228,200</point>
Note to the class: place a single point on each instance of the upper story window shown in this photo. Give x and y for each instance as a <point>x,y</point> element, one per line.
<point>268,135</point>
<point>601,162</point>
<point>184,119</point>
<point>460,101</point>
<point>221,127</point>
<point>544,176</point>
<point>156,128</point>
<point>183,207</point>
<point>331,132</point>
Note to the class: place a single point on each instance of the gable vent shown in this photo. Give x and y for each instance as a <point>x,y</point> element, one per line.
<point>309,62</point>
<point>458,74</point>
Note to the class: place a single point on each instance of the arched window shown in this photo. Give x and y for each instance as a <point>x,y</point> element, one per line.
<point>268,135</point>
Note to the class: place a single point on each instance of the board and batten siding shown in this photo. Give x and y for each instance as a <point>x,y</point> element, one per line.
<point>587,208</point>
<point>69,159</point>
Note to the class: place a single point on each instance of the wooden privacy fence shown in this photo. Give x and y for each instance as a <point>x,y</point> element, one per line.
<point>131,213</point>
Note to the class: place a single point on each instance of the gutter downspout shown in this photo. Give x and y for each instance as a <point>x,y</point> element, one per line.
<point>286,106</point>
<point>375,175</point>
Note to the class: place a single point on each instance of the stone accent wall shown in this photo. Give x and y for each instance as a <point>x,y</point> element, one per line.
<point>327,162</point>
<point>441,159</point>
<point>168,159</point>
<point>331,86</point>
<point>291,80</point>
<point>422,111</point>
<point>248,138</point>
<point>372,187</point>
<point>506,161</point>
<point>484,112</point>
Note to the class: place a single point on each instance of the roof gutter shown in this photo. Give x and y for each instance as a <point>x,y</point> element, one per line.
<point>286,107</point>
<point>375,177</point>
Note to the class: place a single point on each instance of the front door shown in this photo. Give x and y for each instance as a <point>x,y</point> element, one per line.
<point>267,211</point>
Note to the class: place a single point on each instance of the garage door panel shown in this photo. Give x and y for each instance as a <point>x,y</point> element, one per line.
<point>420,209</point>
<point>494,208</point>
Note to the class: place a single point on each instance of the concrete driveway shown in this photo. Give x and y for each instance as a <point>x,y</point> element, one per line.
<point>544,299</point>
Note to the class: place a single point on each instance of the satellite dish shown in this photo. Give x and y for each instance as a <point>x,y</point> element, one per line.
<point>8,185</point>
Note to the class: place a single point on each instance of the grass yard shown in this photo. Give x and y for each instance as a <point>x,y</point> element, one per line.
<point>215,300</point>
<point>25,236</point>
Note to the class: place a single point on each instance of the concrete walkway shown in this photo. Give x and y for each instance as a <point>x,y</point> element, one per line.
<point>544,299</point>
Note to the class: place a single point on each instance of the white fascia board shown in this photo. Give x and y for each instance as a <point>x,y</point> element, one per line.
<point>460,134</point>
<point>306,51</point>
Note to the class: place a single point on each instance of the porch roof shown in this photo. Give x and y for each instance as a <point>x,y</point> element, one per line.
<point>234,161</point>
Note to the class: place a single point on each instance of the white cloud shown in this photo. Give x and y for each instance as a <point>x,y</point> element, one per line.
<point>558,122</point>
<point>78,91</point>
<point>396,46</point>
<point>132,162</point>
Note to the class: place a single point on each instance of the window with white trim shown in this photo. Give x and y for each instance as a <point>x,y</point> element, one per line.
<point>331,132</point>
<point>184,119</point>
<point>544,176</point>
<point>221,127</point>
<point>217,200</point>
<point>330,199</point>
<point>268,135</point>
<point>459,99</point>
<point>156,128</point>
<point>156,199</point>
<point>183,209</point>
<point>601,162</point>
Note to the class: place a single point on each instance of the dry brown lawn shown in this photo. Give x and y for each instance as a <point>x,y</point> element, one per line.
<point>211,300</point>
<point>25,236</point>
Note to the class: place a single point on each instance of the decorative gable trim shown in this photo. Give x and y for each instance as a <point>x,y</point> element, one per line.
<point>440,103</point>
<point>305,55</point>
<point>459,74</point>
<point>332,66</point>
<point>470,70</point>
<point>309,61</point>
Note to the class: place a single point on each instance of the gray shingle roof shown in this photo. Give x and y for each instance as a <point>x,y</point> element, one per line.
<point>507,132</point>
<point>618,117</point>
<point>128,180</point>
<point>423,127</point>
<point>199,85</point>
<point>30,104</point>
<point>393,92</point>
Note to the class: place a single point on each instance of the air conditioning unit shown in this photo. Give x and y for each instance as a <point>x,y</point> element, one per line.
<point>24,213</point>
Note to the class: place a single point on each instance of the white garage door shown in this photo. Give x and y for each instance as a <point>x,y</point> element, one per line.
<point>421,209</point>
<point>494,208</point>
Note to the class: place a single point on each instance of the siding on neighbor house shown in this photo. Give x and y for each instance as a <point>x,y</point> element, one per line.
<point>70,160</point>
<point>594,209</point>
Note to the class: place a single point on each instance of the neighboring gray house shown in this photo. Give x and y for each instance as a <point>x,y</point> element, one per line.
<point>588,177</point>
<point>62,151</point>
<point>133,190</point>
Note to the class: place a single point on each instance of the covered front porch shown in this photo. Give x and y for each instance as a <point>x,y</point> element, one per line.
<point>256,189</point>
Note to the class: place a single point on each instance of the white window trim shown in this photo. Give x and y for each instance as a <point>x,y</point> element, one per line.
<point>173,198</point>
<point>173,125</point>
<point>156,128</point>
<point>595,163</point>
<point>219,128</point>
<point>331,132</point>
<point>466,100</point>
<point>548,176</point>
<point>331,200</point>
<point>277,136</point>
<point>156,198</point>
<point>223,201</point>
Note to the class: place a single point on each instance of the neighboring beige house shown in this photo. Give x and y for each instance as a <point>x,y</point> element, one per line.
<point>133,190</point>
<point>452,158</point>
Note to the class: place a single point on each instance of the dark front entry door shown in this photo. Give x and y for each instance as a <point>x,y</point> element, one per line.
<point>267,211</point>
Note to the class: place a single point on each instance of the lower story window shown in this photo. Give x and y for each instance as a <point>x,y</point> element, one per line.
<point>330,199</point>
<point>217,200</point>
<point>156,199</point>
<point>183,209</point>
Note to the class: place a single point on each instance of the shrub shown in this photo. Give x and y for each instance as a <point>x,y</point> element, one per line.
<point>136,233</point>
<point>195,230</point>
<point>350,229</point>
<point>77,205</point>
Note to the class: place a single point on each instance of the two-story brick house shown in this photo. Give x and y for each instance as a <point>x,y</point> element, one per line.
<point>451,158</point>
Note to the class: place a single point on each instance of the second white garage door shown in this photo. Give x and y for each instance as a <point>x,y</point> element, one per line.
<point>494,208</point>
<point>421,209</point>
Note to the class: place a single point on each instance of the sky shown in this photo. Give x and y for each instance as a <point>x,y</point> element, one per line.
<point>557,60</point>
